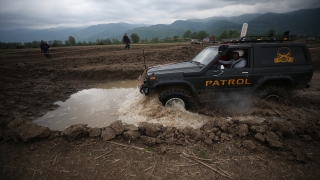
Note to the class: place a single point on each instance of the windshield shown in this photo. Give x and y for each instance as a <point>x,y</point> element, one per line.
<point>206,55</point>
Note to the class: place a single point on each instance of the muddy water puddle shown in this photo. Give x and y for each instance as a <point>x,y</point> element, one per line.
<point>118,100</point>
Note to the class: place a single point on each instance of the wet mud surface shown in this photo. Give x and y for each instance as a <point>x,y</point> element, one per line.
<point>285,145</point>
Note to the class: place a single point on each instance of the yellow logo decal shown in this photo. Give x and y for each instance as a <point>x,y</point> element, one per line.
<point>227,82</point>
<point>283,55</point>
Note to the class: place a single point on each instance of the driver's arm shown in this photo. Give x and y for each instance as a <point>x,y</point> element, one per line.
<point>224,62</point>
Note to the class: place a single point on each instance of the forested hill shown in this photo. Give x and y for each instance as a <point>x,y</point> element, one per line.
<point>301,22</point>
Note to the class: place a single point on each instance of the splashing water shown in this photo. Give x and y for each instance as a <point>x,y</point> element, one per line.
<point>135,108</point>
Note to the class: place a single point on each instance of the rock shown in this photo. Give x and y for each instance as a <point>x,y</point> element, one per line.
<point>222,124</point>
<point>208,141</point>
<point>258,129</point>
<point>186,131</point>
<point>207,126</point>
<point>216,138</point>
<point>259,137</point>
<point>16,123</point>
<point>170,141</point>
<point>132,134</point>
<point>242,130</point>
<point>152,130</point>
<point>117,127</point>
<point>142,128</point>
<point>285,127</point>
<point>231,130</point>
<point>195,134</point>
<point>180,142</point>
<point>273,140</point>
<point>74,131</point>
<point>211,135</point>
<point>214,130</point>
<point>94,132</point>
<point>218,133</point>
<point>169,135</point>
<point>108,134</point>
<point>27,130</point>
<point>130,127</point>
<point>207,132</point>
<point>177,134</point>
<point>224,137</point>
<point>249,145</point>
<point>148,140</point>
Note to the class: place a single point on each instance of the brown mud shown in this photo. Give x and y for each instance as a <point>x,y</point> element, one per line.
<point>31,83</point>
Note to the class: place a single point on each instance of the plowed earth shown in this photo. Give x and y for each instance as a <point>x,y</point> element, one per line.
<point>31,83</point>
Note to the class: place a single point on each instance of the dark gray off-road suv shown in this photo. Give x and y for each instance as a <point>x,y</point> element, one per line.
<point>273,67</point>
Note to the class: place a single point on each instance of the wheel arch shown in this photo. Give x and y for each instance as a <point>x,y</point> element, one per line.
<point>273,79</point>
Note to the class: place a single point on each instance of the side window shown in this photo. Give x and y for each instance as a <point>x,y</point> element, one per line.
<point>281,55</point>
<point>243,53</point>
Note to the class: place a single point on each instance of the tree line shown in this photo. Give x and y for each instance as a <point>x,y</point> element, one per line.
<point>187,35</point>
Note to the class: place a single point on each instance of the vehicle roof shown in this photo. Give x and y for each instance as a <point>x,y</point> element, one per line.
<point>243,45</point>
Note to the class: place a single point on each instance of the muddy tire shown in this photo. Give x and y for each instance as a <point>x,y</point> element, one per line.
<point>171,96</point>
<point>274,92</point>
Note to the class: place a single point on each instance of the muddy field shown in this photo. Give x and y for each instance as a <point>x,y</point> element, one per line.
<point>222,149</point>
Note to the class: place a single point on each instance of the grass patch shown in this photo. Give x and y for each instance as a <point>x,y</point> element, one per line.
<point>151,149</point>
<point>200,152</point>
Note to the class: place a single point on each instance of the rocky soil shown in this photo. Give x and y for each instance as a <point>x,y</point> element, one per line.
<point>221,149</point>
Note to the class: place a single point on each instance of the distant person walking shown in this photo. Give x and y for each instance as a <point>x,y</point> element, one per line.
<point>126,41</point>
<point>45,49</point>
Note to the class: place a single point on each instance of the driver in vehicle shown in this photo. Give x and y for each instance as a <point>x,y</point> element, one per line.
<point>237,61</point>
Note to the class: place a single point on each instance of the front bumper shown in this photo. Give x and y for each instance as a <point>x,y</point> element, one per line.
<point>142,84</point>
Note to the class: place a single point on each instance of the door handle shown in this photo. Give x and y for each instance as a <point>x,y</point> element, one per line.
<point>244,72</point>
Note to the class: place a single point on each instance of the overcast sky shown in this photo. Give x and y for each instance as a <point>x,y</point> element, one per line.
<point>41,14</point>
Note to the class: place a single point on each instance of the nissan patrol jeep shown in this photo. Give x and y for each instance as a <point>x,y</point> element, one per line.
<point>274,66</point>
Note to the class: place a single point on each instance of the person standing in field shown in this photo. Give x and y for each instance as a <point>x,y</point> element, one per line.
<point>126,41</point>
<point>45,49</point>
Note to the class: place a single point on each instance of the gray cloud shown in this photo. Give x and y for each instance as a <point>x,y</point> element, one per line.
<point>57,13</point>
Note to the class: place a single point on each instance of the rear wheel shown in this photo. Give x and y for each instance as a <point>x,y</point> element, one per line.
<point>170,97</point>
<point>274,92</point>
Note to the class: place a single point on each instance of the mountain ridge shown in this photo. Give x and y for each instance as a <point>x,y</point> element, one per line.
<point>300,22</point>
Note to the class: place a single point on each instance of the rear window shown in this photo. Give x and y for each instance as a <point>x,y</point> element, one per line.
<point>281,56</point>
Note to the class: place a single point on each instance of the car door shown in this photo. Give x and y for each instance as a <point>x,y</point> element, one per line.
<point>229,79</point>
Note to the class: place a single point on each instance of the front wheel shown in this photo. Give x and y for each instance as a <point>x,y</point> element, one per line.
<point>176,96</point>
